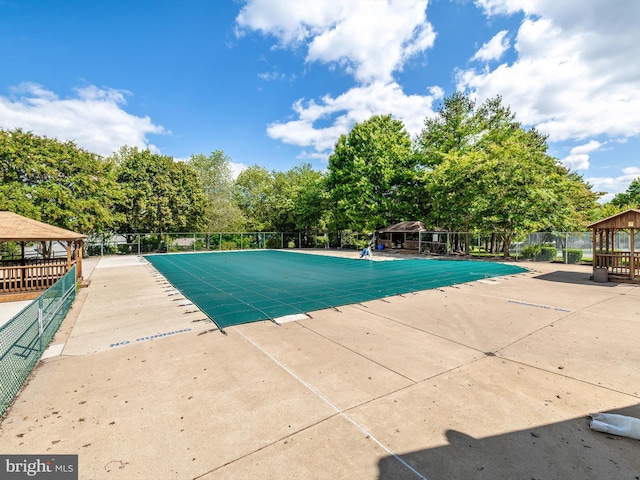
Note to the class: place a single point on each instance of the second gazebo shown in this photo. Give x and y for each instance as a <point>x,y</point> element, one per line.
<point>25,278</point>
<point>616,256</point>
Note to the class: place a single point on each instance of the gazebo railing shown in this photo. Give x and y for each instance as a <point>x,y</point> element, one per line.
<point>32,277</point>
<point>32,261</point>
<point>618,263</point>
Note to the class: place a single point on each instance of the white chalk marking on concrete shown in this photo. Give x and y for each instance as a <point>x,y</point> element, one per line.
<point>335,407</point>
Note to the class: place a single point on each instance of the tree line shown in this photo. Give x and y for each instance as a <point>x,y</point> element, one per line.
<point>473,168</point>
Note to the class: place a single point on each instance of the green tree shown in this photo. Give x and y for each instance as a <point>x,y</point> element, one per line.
<point>298,199</point>
<point>578,206</point>
<point>311,198</point>
<point>292,201</point>
<point>214,171</point>
<point>629,198</point>
<point>159,195</point>
<point>455,128</point>
<point>519,188</point>
<point>367,172</point>
<point>606,210</point>
<point>252,193</point>
<point>484,171</point>
<point>458,128</point>
<point>56,182</point>
<point>454,192</point>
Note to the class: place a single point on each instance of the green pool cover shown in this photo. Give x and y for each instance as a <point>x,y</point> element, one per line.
<point>240,287</point>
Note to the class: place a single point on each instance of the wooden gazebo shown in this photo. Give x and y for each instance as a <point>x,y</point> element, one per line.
<point>26,278</point>
<point>612,259</point>
<point>404,235</point>
<point>407,235</point>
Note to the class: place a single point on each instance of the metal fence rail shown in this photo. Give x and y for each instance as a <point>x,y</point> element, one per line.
<point>24,338</point>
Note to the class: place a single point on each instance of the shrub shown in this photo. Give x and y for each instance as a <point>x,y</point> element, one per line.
<point>273,242</point>
<point>547,253</point>
<point>229,245</point>
<point>126,248</point>
<point>530,251</point>
<point>574,255</point>
<point>542,253</point>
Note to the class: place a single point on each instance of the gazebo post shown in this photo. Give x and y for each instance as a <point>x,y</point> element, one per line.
<point>632,266</point>
<point>69,244</point>
<point>79,248</point>
<point>593,248</point>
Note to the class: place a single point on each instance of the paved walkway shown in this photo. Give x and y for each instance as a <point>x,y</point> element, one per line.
<point>487,380</point>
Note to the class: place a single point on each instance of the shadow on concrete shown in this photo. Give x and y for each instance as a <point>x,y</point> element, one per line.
<point>567,450</point>
<point>582,278</point>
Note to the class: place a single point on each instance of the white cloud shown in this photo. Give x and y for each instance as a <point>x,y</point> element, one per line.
<point>576,161</point>
<point>236,169</point>
<point>575,76</point>
<point>369,39</point>
<point>592,146</point>
<point>614,185</point>
<point>94,118</point>
<point>578,158</point>
<point>355,105</point>
<point>270,76</point>
<point>289,22</point>
<point>494,48</point>
<point>503,7</point>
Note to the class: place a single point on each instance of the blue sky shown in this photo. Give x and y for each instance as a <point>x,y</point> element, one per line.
<point>275,82</point>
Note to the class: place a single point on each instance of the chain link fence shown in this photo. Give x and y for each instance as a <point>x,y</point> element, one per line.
<point>568,247</point>
<point>24,338</point>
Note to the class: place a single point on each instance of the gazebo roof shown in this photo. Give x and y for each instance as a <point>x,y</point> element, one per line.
<point>627,219</point>
<point>408,227</point>
<point>16,228</point>
<point>402,227</point>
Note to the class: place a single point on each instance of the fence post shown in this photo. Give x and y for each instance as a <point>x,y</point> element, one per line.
<point>566,248</point>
